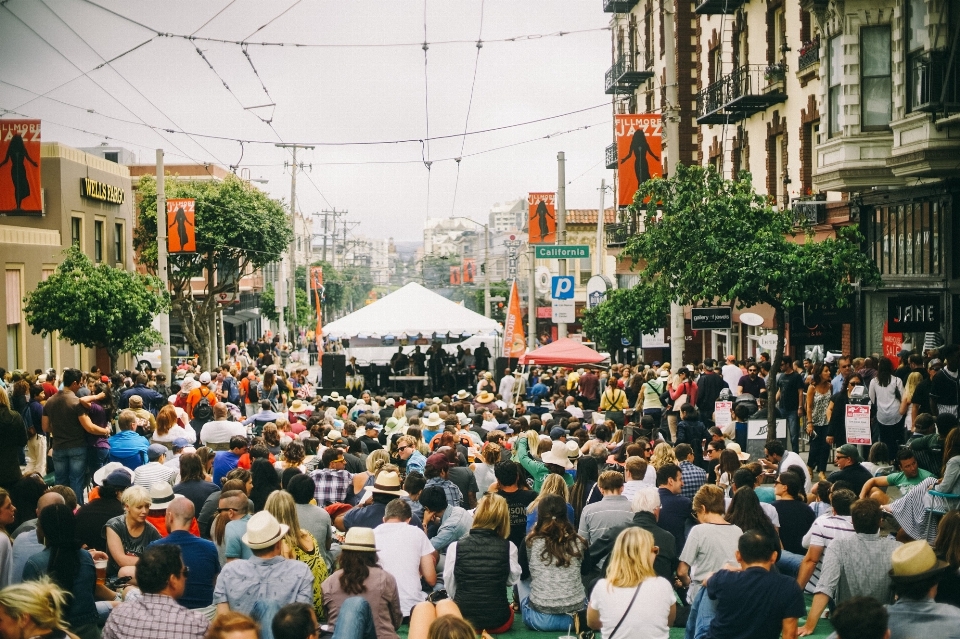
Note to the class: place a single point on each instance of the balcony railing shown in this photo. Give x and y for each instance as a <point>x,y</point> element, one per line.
<point>735,97</point>
<point>809,212</point>
<point>619,6</point>
<point>625,76</point>
<point>716,7</point>
<point>610,155</point>
<point>618,234</point>
<point>809,55</point>
<point>935,82</point>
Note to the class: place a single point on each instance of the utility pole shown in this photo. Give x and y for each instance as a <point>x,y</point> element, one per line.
<point>486,270</point>
<point>532,298</point>
<point>600,221</point>
<point>562,222</point>
<point>671,113</point>
<point>292,284</point>
<point>162,273</point>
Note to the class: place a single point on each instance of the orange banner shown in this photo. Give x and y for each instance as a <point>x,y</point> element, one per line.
<point>181,226</point>
<point>469,273</point>
<point>316,285</point>
<point>542,222</point>
<point>455,276</point>
<point>514,343</point>
<point>20,167</point>
<point>639,145</point>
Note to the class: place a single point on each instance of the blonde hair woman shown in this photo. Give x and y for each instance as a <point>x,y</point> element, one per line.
<point>33,609</point>
<point>129,534</point>
<point>907,405</point>
<point>533,443</point>
<point>481,566</point>
<point>300,544</point>
<point>375,463</point>
<point>614,609</point>
<point>552,485</point>
<point>662,455</point>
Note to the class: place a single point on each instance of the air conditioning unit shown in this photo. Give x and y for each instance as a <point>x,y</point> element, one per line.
<point>809,212</point>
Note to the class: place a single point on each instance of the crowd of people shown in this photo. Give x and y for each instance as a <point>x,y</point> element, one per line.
<point>240,503</point>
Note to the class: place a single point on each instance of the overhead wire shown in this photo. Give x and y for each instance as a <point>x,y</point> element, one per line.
<point>473,84</point>
<point>272,20</point>
<point>215,16</point>
<point>74,65</point>
<point>426,104</point>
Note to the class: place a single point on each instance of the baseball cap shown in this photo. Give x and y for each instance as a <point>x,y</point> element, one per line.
<point>850,451</point>
<point>180,442</point>
<point>438,461</point>
<point>118,479</point>
<point>156,451</point>
<point>557,432</point>
<point>204,378</point>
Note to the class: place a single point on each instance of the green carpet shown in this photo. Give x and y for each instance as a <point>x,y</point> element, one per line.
<point>519,631</point>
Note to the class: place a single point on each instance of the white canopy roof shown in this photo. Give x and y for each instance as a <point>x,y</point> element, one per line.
<point>410,311</point>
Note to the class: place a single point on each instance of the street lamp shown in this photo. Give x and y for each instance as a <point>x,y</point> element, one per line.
<point>486,262</point>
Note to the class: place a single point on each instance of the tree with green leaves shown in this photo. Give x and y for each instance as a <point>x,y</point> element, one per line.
<point>238,229</point>
<point>306,316</point>
<point>707,241</point>
<point>97,306</point>
<point>626,312</point>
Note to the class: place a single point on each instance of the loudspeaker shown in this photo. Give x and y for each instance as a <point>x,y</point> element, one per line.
<point>501,364</point>
<point>334,370</point>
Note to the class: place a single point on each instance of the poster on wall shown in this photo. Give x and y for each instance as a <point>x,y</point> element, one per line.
<point>542,221</point>
<point>639,145</point>
<point>857,424</point>
<point>469,273</point>
<point>454,276</point>
<point>20,168</point>
<point>181,226</point>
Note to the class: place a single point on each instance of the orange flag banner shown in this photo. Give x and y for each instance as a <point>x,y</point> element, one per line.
<point>514,342</point>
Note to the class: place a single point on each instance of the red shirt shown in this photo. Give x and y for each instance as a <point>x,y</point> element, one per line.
<point>160,523</point>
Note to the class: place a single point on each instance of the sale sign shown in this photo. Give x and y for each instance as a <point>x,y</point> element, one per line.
<point>722,413</point>
<point>20,167</point>
<point>542,221</point>
<point>857,423</point>
<point>639,146</point>
<point>892,344</point>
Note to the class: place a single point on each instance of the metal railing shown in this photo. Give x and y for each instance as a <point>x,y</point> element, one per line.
<point>619,6</point>
<point>618,234</point>
<point>611,157</point>
<point>934,82</point>
<point>809,55</point>
<point>625,75</point>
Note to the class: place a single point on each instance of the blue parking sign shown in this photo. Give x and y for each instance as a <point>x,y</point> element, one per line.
<point>562,287</point>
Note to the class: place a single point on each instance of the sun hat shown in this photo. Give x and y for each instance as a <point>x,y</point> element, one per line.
<point>107,469</point>
<point>573,449</point>
<point>557,455</point>
<point>335,396</point>
<point>850,451</point>
<point>161,494</point>
<point>156,451</point>
<point>915,561</point>
<point>263,531</point>
<point>433,420</point>
<point>462,394</point>
<point>358,539</point>
<point>485,397</point>
<point>735,447</point>
<point>388,483</point>
<point>299,406</point>
<point>463,419</point>
<point>438,461</point>
<point>435,400</point>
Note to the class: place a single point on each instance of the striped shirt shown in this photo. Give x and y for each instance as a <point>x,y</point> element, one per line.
<point>152,473</point>
<point>824,530</point>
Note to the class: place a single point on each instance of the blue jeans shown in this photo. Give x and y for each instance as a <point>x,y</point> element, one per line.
<point>793,428</point>
<point>702,611</point>
<point>355,620</point>
<point>541,621</point>
<point>70,469</point>
<point>789,563</point>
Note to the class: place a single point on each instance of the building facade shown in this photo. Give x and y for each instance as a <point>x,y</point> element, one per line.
<point>87,201</point>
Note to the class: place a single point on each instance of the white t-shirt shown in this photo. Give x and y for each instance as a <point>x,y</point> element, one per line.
<point>220,432</point>
<point>647,618</point>
<point>707,549</point>
<point>790,458</point>
<point>400,547</point>
<point>175,432</point>
<point>731,374</point>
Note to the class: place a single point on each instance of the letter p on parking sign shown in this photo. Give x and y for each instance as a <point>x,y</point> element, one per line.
<point>562,287</point>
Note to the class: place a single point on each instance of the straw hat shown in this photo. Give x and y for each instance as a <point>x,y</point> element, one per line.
<point>735,447</point>
<point>358,539</point>
<point>462,394</point>
<point>915,561</point>
<point>299,406</point>
<point>388,483</point>
<point>335,396</point>
<point>263,531</point>
<point>333,436</point>
<point>557,455</point>
<point>433,420</point>
<point>485,397</point>
<point>161,494</point>
<point>573,449</point>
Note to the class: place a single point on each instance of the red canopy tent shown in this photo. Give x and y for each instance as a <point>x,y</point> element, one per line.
<point>563,352</point>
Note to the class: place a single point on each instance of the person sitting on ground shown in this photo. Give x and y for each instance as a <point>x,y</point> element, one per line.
<point>199,555</point>
<point>752,600</point>
<point>825,529</point>
<point>406,553</point>
<point>916,572</point>
<point>613,510</point>
<point>860,618</point>
<point>154,471</point>
<point>34,609</point>
<point>129,534</point>
<point>439,621</point>
<point>856,566</point>
<point>443,523</point>
<point>127,446</point>
<point>847,458</point>
<point>162,578</point>
<point>386,489</point>
<point>910,475</point>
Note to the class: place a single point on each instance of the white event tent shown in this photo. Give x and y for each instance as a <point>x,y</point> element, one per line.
<point>407,313</point>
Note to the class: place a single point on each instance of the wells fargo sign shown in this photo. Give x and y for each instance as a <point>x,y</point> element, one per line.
<point>100,191</point>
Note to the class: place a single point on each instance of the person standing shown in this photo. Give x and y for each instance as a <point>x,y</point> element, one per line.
<point>818,401</point>
<point>886,394</point>
<point>65,418</point>
<point>790,399</point>
<point>13,434</point>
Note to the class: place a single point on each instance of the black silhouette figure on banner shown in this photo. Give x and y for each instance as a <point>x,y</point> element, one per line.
<point>542,215</point>
<point>468,273</point>
<point>181,221</point>
<point>640,149</point>
<point>16,156</point>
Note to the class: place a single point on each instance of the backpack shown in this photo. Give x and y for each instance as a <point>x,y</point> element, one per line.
<point>203,411</point>
<point>27,415</point>
<point>233,391</point>
<point>253,395</point>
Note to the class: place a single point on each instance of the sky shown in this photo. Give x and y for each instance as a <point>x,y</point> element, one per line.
<point>94,76</point>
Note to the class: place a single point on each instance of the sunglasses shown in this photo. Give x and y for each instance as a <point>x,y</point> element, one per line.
<point>752,370</point>
<point>841,457</point>
<point>402,448</point>
<point>223,510</point>
<point>185,572</point>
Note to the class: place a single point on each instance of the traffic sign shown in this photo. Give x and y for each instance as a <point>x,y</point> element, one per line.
<point>562,287</point>
<point>564,312</point>
<point>561,251</point>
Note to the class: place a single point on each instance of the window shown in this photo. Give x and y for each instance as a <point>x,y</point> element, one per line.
<point>648,38</point>
<point>875,82</point>
<point>111,156</point>
<point>834,77</point>
<point>917,40</point>
<point>586,270</point>
<point>13,293</point>
<point>76,232</point>
<point>98,241</point>
<point>905,239</point>
<point>118,243</point>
